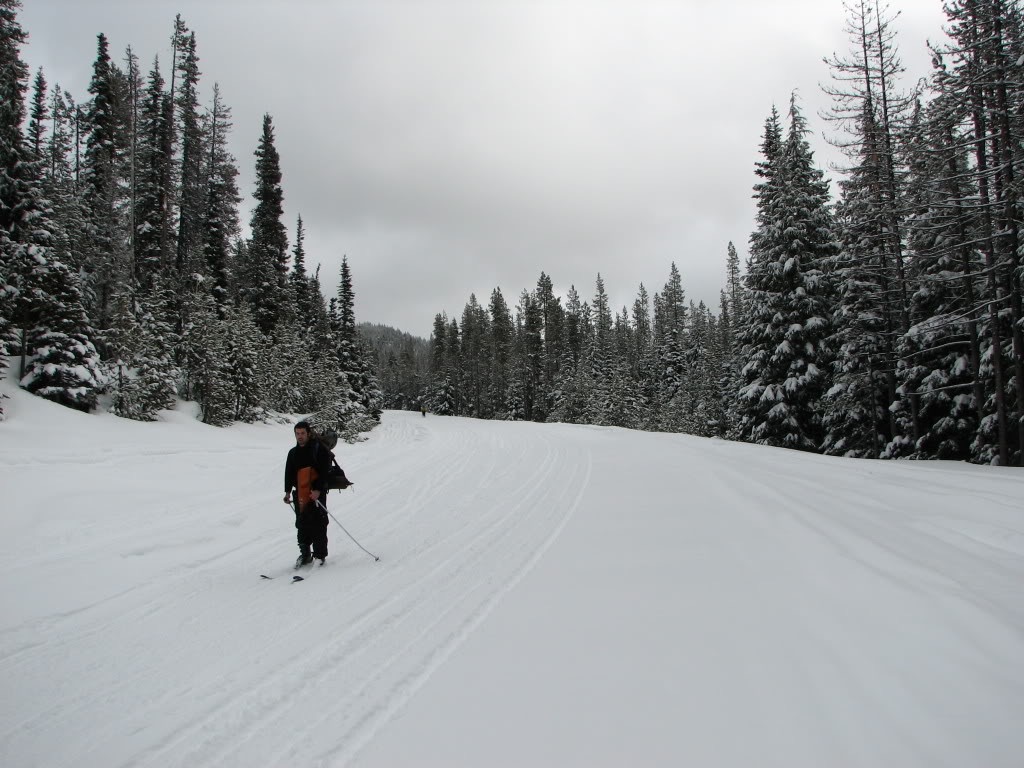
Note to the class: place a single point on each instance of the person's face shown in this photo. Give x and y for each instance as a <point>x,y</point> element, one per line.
<point>301,436</point>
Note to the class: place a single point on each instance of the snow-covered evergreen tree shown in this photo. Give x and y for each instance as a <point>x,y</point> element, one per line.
<point>644,358</point>
<point>156,373</point>
<point>568,399</point>
<point>502,331</point>
<point>121,341</point>
<point>870,269</point>
<point>699,396</point>
<point>264,272</point>
<point>476,350</point>
<point>785,363</point>
<point>600,363</point>
<point>40,294</point>
<point>353,355</point>
<point>64,366</point>
<point>552,317</point>
<point>245,351</point>
<point>978,77</point>
<point>219,219</point>
<point>143,375</point>
<point>204,350</point>
<point>529,348</point>
<point>300,282</point>
<point>153,182</point>
<point>441,395</point>
<point>13,84</point>
<point>344,414</point>
<point>670,329</point>
<point>102,244</point>
<point>192,193</point>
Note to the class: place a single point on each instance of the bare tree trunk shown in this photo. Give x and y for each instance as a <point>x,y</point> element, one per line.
<point>977,107</point>
<point>1008,190</point>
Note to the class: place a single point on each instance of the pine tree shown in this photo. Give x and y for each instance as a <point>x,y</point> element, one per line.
<point>600,363</point>
<point>299,280</point>
<point>343,413</point>
<point>102,245</point>
<point>204,349</point>
<point>140,357</point>
<point>244,352</point>
<point>266,268</point>
<point>644,366</point>
<point>552,317</point>
<point>700,394</point>
<point>346,329</point>
<point>979,76</point>
<point>13,192</point>
<point>736,300</point>
<point>156,374</point>
<point>940,358</point>
<point>441,394</point>
<point>529,346</point>
<point>353,358</point>
<point>192,194</point>
<point>122,341</point>
<point>219,220</point>
<point>870,268</point>
<point>734,311</point>
<point>785,364</point>
<point>41,295</point>
<point>476,352</point>
<point>453,362</point>
<point>322,339</point>
<point>515,395</point>
<point>859,421</point>
<point>153,184</point>
<point>575,385</point>
<point>59,177</point>
<point>502,332</point>
<point>287,374</point>
<point>36,132</point>
<point>64,366</point>
<point>670,330</point>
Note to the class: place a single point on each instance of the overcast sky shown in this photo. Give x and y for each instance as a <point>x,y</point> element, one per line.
<point>448,148</point>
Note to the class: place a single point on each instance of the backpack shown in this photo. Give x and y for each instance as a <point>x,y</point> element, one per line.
<point>336,480</point>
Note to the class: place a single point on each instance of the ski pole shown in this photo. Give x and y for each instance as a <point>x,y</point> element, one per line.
<point>346,531</point>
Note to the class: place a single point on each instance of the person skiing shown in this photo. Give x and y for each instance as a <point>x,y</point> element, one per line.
<point>305,472</point>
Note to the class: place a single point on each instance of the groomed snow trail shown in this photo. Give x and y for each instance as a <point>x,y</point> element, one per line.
<point>728,605</point>
<point>199,662</point>
<point>546,595</point>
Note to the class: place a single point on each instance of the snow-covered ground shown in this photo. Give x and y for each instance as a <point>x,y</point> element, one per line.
<point>546,595</point>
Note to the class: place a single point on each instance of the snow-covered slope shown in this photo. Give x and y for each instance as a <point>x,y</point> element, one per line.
<point>546,595</point>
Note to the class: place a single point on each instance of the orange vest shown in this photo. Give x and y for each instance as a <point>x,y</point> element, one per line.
<point>304,480</point>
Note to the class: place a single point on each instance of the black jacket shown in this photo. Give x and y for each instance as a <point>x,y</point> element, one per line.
<point>311,455</point>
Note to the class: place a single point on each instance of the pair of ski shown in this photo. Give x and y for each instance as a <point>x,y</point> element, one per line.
<point>296,577</point>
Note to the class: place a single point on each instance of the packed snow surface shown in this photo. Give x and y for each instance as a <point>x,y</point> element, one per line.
<point>547,595</point>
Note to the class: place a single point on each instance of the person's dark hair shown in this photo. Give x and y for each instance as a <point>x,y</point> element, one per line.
<point>304,425</point>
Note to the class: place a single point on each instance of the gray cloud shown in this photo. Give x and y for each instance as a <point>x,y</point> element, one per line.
<point>452,147</point>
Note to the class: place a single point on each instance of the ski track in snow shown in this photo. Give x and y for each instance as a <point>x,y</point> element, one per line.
<point>824,549</point>
<point>150,640</point>
<point>271,672</point>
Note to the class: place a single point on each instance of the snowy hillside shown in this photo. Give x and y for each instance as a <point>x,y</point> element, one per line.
<point>546,595</point>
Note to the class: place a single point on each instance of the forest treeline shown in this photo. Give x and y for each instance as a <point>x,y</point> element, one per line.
<point>884,322</point>
<point>125,275</point>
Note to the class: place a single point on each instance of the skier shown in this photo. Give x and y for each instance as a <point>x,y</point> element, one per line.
<point>306,471</point>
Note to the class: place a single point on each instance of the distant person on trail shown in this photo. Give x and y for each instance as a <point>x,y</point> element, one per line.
<point>306,472</point>
<point>423,410</point>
